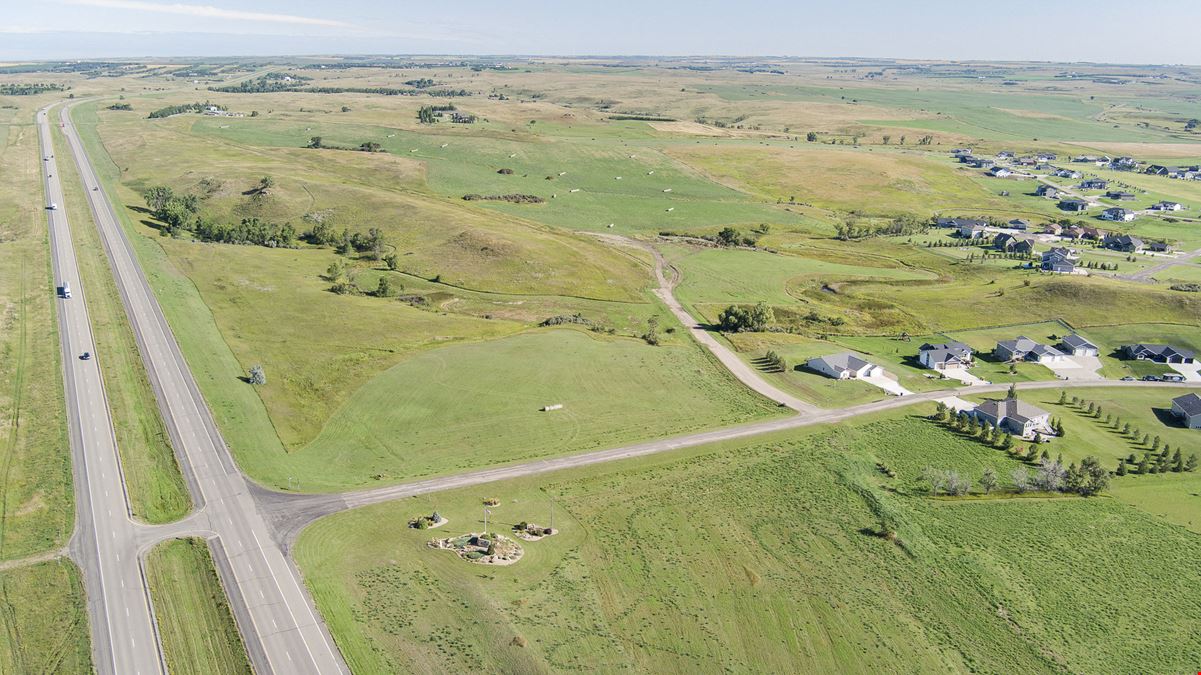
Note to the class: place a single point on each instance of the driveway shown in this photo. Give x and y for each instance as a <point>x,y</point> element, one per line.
<point>1188,370</point>
<point>888,384</point>
<point>1078,368</point>
<point>963,375</point>
<point>957,404</point>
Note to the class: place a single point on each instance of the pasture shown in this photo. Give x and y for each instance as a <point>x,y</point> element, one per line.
<point>43,619</point>
<point>761,556</point>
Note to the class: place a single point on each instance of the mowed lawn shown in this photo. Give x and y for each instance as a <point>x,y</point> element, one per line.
<point>475,405</point>
<point>759,556</point>
<point>43,620</point>
<point>194,620</point>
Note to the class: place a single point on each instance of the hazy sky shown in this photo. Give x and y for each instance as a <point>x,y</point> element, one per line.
<point>1150,31</point>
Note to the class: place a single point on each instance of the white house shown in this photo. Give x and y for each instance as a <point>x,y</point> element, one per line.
<point>1078,346</point>
<point>945,356</point>
<point>845,366</point>
<point>1118,214</point>
<point>1025,349</point>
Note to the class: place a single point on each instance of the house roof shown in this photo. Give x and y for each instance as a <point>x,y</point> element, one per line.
<point>1019,344</point>
<point>1159,350</point>
<point>841,362</point>
<point>1074,341</point>
<point>1045,350</point>
<point>1118,211</point>
<point>944,352</point>
<point>1010,408</point>
<point>1190,403</point>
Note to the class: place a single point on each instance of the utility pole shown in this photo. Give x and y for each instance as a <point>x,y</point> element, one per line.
<point>552,515</point>
<point>485,520</point>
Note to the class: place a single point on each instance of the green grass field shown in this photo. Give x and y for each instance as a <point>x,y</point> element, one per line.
<point>36,500</point>
<point>152,477</point>
<point>194,620</point>
<point>757,556</point>
<point>1110,338</point>
<point>43,620</point>
<point>479,404</point>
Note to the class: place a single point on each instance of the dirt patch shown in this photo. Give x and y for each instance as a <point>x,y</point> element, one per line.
<point>691,129</point>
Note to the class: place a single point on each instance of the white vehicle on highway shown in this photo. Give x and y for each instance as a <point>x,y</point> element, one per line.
<point>53,206</point>
<point>66,290</point>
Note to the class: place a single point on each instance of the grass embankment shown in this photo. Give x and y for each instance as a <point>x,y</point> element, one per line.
<point>36,499</point>
<point>194,620</point>
<point>43,620</point>
<point>152,477</point>
<point>762,556</point>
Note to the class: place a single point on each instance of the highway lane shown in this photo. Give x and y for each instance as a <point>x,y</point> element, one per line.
<point>124,638</point>
<point>272,607</point>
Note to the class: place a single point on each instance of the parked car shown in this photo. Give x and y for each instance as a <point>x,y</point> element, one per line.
<point>1173,377</point>
<point>1128,378</point>
<point>1150,378</point>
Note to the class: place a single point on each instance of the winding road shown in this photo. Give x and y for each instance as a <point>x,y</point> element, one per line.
<point>249,527</point>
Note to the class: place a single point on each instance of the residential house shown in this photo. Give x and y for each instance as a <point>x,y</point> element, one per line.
<point>1073,205</point>
<point>1123,242</point>
<point>1005,154</point>
<point>1167,206</point>
<point>945,356</point>
<point>1094,184</point>
<point>1060,260</point>
<point>1124,164</point>
<point>959,222</point>
<point>982,162</point>
<point>1012,243</point>
<point>845,366</point>
<point>1078,346</point>
<point>972,230</point>
<point>1084,159</point>
<point>1118,214</point>
<point>1120,196</point>
<point>1158,353</point>
<point>1018,224</point>
<point>1025,349</point>
<point>1016,417</point>
<point>1066,173</point>
<point>1048,191</point>
<point>1046,157</point>
<point>1159,247</point>
<point>1092,233</point>
<point>1158,170</point>
<point>1053,228</point>
<point>1188,409</point>
<point>1073,232</point>
<point>999,172</point>
<point>1026,161</point>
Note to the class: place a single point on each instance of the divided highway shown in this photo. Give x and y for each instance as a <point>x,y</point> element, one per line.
<point>104,544</point>
<point>274,612</point>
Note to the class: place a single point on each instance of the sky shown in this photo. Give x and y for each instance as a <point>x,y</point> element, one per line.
<point>1109,31</point>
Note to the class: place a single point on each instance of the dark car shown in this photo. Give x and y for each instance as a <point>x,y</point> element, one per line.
<point>85,356</point>
<point>1150,378</point>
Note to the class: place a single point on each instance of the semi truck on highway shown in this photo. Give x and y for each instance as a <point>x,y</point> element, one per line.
<point>66,290</point>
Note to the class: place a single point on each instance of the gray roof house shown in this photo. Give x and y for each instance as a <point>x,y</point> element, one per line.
<point>1167,206</point>
<point>1078,346</point>
<point>1123,242</point>
<point>1017,417</point>
<point>1025,349</point>
<point>945,355</point>
<point>1019,224</point>
<point>1118,214</point>
<point>971,229</point>
<point>1012,243</point>
<point>1188,409</point>
<point>999,172</point>
<point>1120,195</point>
<point>845,366</point>
<point>1158,353</point>
<point>1048,191</point>
<point>1094,184</point>
<point>1073,205</point>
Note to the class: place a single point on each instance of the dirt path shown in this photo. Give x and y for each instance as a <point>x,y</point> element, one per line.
<point>668,277</point>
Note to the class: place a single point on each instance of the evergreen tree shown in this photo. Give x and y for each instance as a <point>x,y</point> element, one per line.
<point>1155,443</point>
<point>1045,457</point>
<point>1126,429</point>
<point>1177,461</point>
<point>1142,465</point>
<point>1013,391</point>
<point>1121,467</point>
<point>1191,464</point>
<point>1059,428</point>
<point>1063,397</point>
<point>1007,441</point>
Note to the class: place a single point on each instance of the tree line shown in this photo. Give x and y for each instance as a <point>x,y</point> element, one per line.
<point>29,89</point>
<point>183,108</point>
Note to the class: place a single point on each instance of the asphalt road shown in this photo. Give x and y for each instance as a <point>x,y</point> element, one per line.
<point>105,540</point>
<point>274,611</point>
